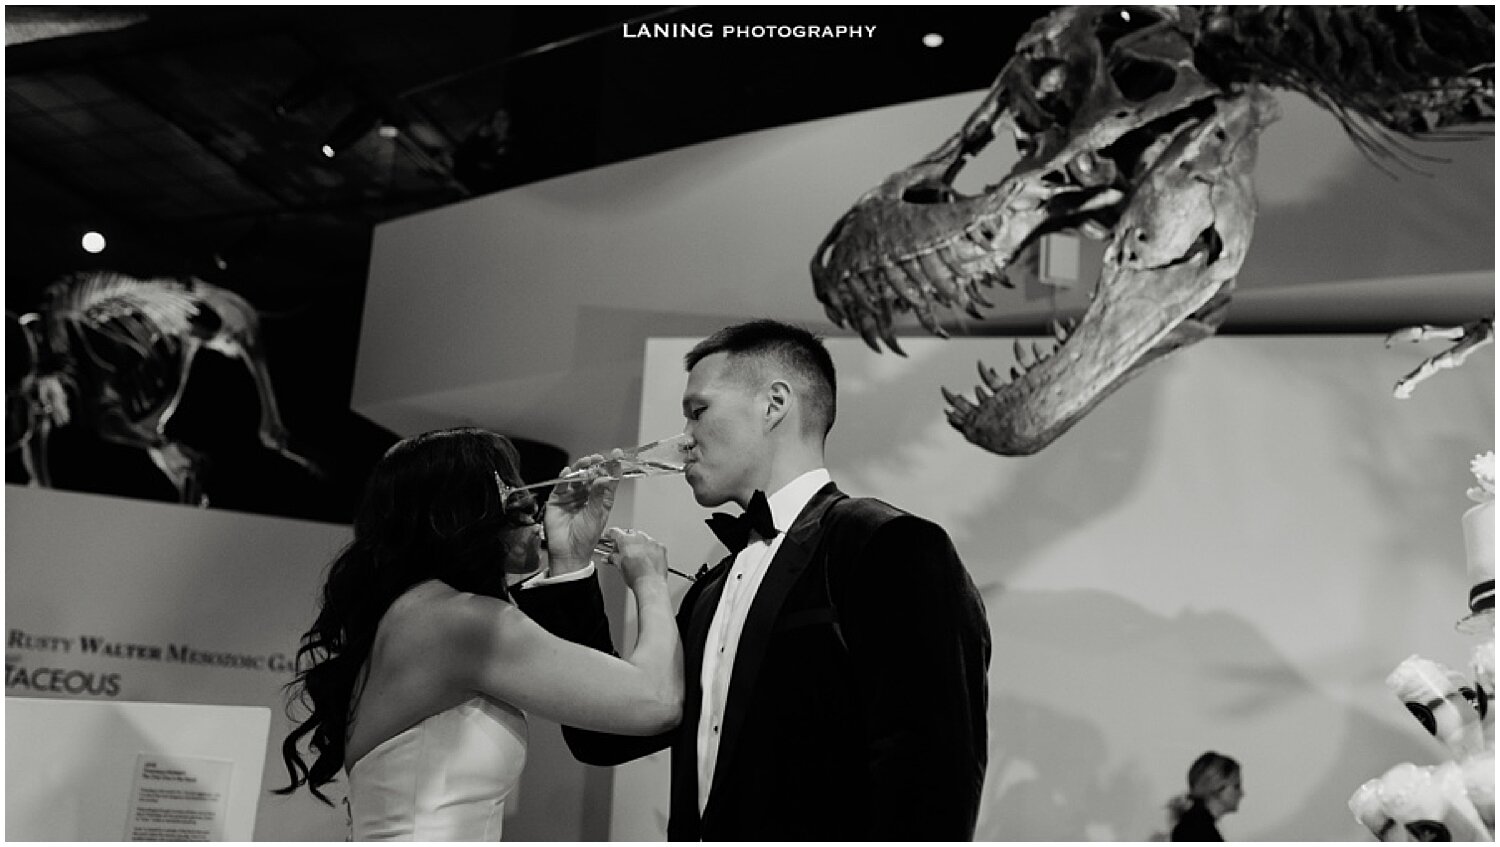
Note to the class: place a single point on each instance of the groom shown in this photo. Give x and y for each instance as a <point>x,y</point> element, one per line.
<point>836,660</point>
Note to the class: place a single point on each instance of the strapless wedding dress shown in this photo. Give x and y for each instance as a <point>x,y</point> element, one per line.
<point>445,779</point>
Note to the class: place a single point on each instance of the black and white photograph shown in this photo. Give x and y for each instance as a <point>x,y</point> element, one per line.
<point>749,423</point>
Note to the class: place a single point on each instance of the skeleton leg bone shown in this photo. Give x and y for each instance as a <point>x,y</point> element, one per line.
<point>273,433</point>
<point>34,454</point>
<point>190,349</point>
<point>177,461</point>
<point>180,464</point>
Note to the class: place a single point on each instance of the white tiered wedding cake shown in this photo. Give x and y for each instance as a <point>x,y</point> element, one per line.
<point>1454,801</point>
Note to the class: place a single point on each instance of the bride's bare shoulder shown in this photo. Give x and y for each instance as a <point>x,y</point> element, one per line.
<point>436,610</point>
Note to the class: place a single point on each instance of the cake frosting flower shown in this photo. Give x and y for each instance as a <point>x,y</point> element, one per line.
<point>1483,467</point>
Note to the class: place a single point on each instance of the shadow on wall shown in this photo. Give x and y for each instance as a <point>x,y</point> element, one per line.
<point>1046,772</point>
<point>1436,215</point>
<point>1030,502</point>
<point>1098,706</point>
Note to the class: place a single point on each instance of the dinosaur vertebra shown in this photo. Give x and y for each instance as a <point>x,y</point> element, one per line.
<point>115,352</point>
<point>1138,124</point>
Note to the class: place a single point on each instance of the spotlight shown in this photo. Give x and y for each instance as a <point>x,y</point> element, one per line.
<point>356,125</point>
<point>93,242</point>
<point>933,39</point>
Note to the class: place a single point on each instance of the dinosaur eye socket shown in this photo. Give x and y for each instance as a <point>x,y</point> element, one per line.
<point>1122,21</point>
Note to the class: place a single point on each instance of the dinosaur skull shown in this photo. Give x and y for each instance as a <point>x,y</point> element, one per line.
<point>1119,136</point>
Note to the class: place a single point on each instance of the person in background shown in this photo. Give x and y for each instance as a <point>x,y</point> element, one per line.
<point>420,670</point>
<point>1214,790</point>
<point>836,659</point>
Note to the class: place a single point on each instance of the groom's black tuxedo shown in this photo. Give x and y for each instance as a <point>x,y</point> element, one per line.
<point>856,709</point>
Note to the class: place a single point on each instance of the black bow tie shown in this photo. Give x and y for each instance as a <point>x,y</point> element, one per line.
<point>734,530</point>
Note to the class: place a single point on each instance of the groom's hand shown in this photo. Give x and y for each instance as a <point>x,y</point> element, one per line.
<point>577,512</point>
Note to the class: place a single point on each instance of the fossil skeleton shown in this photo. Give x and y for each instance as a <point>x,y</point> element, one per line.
<point>114,353</point>
<point>1139,125</point>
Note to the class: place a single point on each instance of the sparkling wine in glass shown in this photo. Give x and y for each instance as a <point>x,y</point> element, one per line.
<point>654,458</point>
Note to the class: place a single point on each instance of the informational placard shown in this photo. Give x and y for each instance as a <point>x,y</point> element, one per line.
<point>112,600</point>
<point>178,798</point>
<point>89,770</point>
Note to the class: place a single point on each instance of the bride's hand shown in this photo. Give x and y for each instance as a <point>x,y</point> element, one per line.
<point>638,555</point>
<point>577,511</point>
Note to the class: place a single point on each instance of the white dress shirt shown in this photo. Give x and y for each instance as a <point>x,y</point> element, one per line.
<point>741,584</point>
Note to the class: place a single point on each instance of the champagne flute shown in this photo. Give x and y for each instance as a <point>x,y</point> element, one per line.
<point>654,458</point>
<point>662,457</point>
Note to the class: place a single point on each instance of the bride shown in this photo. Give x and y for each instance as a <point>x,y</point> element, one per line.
<point>419,670</point>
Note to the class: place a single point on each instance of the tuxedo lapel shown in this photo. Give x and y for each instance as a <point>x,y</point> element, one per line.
<point>791,560</point>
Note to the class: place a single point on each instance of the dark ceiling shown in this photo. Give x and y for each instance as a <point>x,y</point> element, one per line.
<point>191,137</point>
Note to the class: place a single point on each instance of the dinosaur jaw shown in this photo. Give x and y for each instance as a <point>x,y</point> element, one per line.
<point>1054,384</point>
<point>1120,137</point>
<point>1168,276</point>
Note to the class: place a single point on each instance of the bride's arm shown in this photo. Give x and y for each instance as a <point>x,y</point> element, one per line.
<point>500,651</point>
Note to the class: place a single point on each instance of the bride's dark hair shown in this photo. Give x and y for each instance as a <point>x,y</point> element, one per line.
<point>432,509</point>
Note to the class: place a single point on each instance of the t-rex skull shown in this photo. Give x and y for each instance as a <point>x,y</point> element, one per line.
<point>1136,124</point>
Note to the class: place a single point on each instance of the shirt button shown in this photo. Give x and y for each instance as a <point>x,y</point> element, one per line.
<point>716,728</point>
<point>721,649</point>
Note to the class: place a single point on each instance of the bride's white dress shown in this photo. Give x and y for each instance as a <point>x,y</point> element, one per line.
<point>445,779</point>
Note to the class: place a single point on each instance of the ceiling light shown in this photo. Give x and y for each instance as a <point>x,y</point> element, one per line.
<point>327,151</point>
<point>933,39</point>
<point>93,242</point>
<point>388,131</point>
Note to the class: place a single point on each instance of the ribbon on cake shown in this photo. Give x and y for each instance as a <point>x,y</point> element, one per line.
<point>1442,700</point>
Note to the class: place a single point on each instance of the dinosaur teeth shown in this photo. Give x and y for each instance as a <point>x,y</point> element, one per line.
<point>929,323</point>
<point>958,420</point>
<point>960,404</point>
<point>981,395</point>
<point>834,315</point>
<point>972,287</point>
<point>1015,372</point>
<point>994,380</point>
<point>888,335</point>
<point>1042,352</point>
<point>1023,356</point>
<point>1058,332</point>
<point>938,279</point>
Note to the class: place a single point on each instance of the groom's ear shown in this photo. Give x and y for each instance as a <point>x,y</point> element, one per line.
<point>778,400</point>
